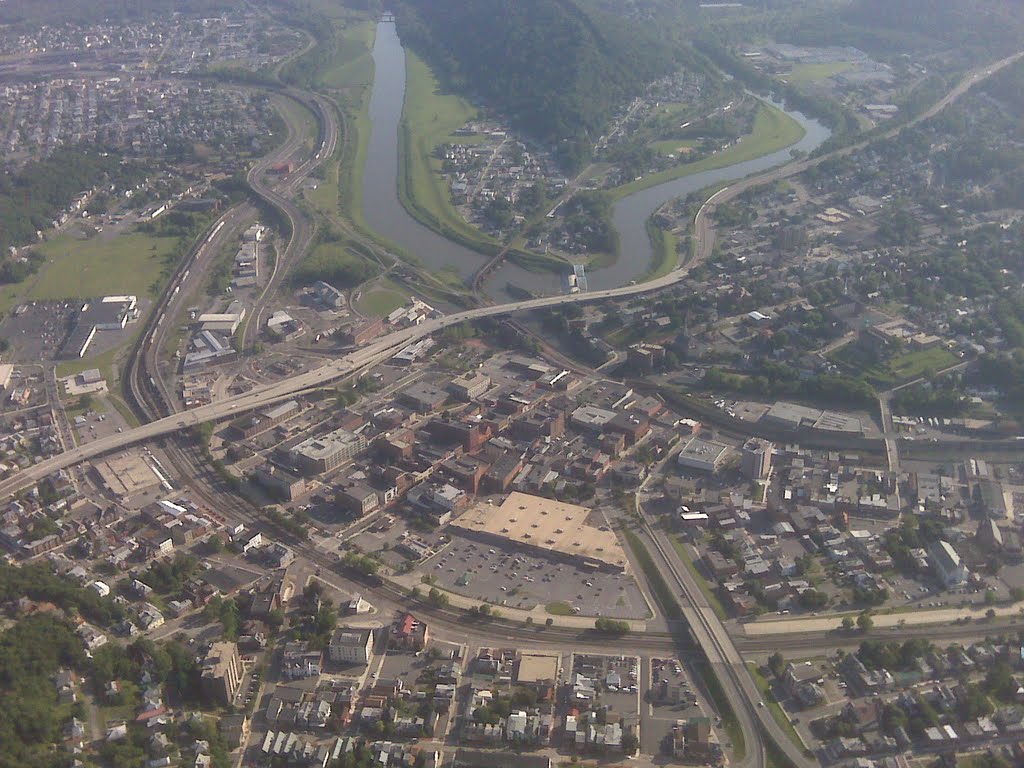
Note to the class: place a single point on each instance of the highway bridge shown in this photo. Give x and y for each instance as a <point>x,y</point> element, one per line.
<point>704,627</point>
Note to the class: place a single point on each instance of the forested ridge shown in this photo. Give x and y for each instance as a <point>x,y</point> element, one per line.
<point>33,196</point>
<point>557,70</point>
<point>64,11</point>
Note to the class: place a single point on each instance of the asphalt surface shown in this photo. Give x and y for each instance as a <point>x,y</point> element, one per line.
<point>707,630</point>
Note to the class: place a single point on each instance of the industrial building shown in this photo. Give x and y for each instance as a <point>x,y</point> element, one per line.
<point>791,416</point>
<point>470,385</point>
<point>111,313</point>
<point>592,419</point>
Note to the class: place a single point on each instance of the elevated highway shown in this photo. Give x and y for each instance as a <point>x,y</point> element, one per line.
<point>707,631</point>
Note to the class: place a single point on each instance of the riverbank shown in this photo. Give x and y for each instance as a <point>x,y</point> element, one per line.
<point>429,118</point>
<point>773,130</point>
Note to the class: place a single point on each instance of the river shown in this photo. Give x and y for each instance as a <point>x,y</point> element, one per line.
<point>384,212</point>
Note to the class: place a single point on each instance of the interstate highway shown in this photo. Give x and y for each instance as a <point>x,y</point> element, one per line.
<point>718,646</point>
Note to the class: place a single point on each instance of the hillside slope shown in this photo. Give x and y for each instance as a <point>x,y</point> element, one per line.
<point>557,70</point>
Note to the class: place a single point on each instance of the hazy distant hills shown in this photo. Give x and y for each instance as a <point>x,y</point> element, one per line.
<point>557,69</point>
<point>981,26</point>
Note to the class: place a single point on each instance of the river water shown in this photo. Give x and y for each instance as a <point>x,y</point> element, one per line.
<point>384,212</point>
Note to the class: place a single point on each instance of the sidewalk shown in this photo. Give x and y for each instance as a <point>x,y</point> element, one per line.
<point>538,614</point>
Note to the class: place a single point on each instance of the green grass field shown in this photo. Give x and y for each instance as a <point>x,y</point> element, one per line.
<point>559,608</point>
<point>672,146</point>
<point>302,118</point>
<point>911,365</point>
<point>900,368</point>
<point>809,73</point>
<point>352,65</point>
<point>773,130</point>
<point>663,243</point>
<point>428,119</point>
<point>385,297</point>
<point>126,264</point>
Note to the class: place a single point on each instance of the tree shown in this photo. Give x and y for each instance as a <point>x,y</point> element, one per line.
<point>777,664</point>
<point>847,624</point>
<point>630,743</point>
<point>611,626</point>
<point>275,619</point>
<point>865,622</point>
<point>548,621</point>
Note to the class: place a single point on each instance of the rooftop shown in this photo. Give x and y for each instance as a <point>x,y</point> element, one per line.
<point>545,524</point>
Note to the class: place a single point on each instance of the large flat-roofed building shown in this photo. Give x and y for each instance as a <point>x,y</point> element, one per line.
<point>550,528</point>
<point>702,455</point>
<point>278,479</point>
<point>591,418</point>
<point>327,452</point>
<point>791,416</point>
<point>350,646</point>
<point>6,372</point>
<point>470,385</point>
<point>222,672</point>
<point>108,314</point>
<point>253,424</point>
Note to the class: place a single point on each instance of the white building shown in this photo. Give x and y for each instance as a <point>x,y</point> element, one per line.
<point>947,564</point>
<point>702,455</point>
<point>351,646</point>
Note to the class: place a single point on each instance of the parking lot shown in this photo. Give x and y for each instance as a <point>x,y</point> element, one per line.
<point>671,697</point>
<point>518,580</point>
<point>37,329</point>
<point>616,680</point>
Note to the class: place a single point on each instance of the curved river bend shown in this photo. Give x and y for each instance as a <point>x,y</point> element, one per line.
<point>385,214</point>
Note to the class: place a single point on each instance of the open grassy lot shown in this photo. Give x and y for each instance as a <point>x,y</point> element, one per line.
<point>352,64</point>
<point>809,73</point>
<point>127,264</point>
<point>672,146</point>
<point>559,608</point>
<point>381,299</point>
<point>429,118</point>
<point>901,367</point>
<point>302,120</point>
<point>773,130</point>
<point>911,365</point>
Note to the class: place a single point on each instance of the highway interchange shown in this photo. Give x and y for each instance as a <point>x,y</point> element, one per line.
<point>154,398</point>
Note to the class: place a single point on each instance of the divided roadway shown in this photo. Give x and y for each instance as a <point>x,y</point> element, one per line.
<point>707,629</point>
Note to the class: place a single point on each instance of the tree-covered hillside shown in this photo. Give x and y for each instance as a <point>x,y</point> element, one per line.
<point>557,70</point>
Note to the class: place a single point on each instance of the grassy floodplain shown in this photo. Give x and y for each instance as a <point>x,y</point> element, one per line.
<point>773,130</point>
<point>429,118</point>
